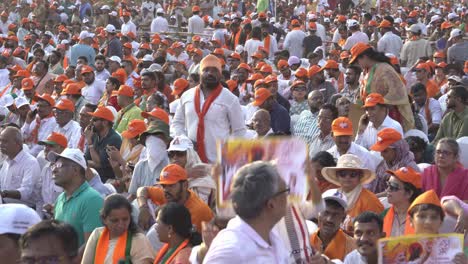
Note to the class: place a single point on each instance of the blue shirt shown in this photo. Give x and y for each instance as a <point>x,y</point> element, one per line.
<point>280,119</point>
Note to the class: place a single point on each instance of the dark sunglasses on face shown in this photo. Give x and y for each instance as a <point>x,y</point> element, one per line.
<point>172,154</point>
<point>393,187</point>
<point>350,173</point>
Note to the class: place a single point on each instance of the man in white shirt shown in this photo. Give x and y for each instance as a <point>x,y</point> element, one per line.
<point>94,88</point>
<point>342,130</point>
<point>101,72</point>
<point>294,39</point>
<point>160,23</point>
<point>20,171</point>
<point>4,23</point>
<point>195,23</point>
<point>320,28</point>
<point>356,36</point>
<point>64,113</point>
<point>375,119</point>
<point>259,197</point>
<point>38,127</point>
<point>222,117</point>
<point>428,107</point>
<point>128,25</point>
<point>389,42</point>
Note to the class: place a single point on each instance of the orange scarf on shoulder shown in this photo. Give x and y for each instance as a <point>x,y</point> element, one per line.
<point>201,118</point>
<point>103,246</point>
<point>336,249</point>
<point>266,42</point>
<point>388,223</point>
<point>165,248</point>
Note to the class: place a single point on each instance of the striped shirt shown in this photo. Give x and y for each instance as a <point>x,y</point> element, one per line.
<point>306,126</point>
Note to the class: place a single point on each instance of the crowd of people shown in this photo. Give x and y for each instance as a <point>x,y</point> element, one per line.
<point>111,114</point>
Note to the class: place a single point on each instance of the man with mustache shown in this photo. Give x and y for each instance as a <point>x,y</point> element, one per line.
<point>368,228</point>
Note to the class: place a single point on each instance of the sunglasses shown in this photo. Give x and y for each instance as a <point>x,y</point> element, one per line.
<point>350,173</point>
<point>393,187</point>
<point>173,154</point>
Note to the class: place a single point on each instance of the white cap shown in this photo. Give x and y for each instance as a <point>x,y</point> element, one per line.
<point>352,23</point>
<point>337,196</point>
<point>74,155</point>
<point>454,78</point>
<point>85,20</point>
<point>59,8</point>
<point>452,16</point>
<point>3,110</point>
<point>8,100</point>
<point>85,34</point>
<point>116,59</point>
<point>435,18</point>
<point>17,218</point>
<point>311,16</point>
<point>397,20</point>
<point>417,133</point>
<point>239,49</point>
<point>21,101</point>
<point>154,67</point>
<point>105,7</point>
<point>326,20</point>
<point>159,11</point>
<point>113,13</point>
<point>180,143</point>
<point>110,28</point>
<point>147,57</point>
<point>414,28</point>
<point>65,42</point>
<point>72,7</point>
<point>455,33</point>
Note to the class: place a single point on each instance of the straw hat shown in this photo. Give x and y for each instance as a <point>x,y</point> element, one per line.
<point>347,161</point>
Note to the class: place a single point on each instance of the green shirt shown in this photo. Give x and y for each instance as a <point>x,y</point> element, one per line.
<point>453,125</point>
<point>127,114</point>
<point>81,210</point>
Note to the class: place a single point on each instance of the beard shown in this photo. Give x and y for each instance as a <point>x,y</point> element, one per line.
<point>210,82</point>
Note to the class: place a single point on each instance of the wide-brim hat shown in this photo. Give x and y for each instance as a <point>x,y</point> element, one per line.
<point>348,161</point>
<point>156,127</point>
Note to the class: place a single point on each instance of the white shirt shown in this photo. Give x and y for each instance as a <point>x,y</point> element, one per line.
<point>369,136</point>
<point>390,43</point>
<point>273,47</point>
<point>128,27</point>
<point>240,243</point>
<point>354,257</point>
<point>321,32</point>
<point>293,42</point>
<point>103,75</point>
<point>4,80</point>
<point>4,27</point>
<point>92,93</point>
<point>49,191</point>
<point>159,25</point>
<point>251,46</point>
<point>435,109</point>
<point>47,126</point>
<point>356,37</point>
<point>72,131</point>
<point>196,25</point>
<point>369,160</point>
<point>222,120</point>
<point>21,174</point>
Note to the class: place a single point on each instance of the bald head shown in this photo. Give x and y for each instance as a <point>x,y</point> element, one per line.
<point>261,122</point>
<point>315,101</point>
<point>11,141</point>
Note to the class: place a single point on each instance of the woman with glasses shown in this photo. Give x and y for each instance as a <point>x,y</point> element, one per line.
<point>299,98</point>
<point>119,239</point>
<point>350,175</point>
<point>403,186</point>
<point>447,176</point>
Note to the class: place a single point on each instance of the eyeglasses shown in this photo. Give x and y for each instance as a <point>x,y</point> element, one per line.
<point>443,152</point>
<point>350,173</point>
<point>393,187</point>
<point>172,154</point>
<point>299,89</point>
<point>59,165</point>
<point>287,190</point>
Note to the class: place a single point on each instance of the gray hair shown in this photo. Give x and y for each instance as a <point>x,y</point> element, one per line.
<point>254,184</point>
<point>452,144</point>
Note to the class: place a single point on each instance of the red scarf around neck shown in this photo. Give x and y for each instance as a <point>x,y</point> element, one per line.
<point>201,118</point>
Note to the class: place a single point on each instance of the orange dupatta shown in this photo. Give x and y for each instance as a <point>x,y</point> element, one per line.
<point>336,249</point>
<point>388,223</point>
<point>164,249</point>
<point>201,118</point>
<point>103,246</point>
<point>266,43</point>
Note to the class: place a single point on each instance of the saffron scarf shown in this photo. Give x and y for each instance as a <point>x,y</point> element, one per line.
<point>201,118</point>
<point>388,223</point>
<point>164,250</point>
<point>35,132</point>
<point>336,249</point>
<point>266,43</point>
<point>103,246</point>
<point>4,90</point>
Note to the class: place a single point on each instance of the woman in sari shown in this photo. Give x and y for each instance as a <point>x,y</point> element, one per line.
<point>174,228</point>
<point>119,239</point>
<point>447,176</point>
<point>395,153</point>
<point>381,77</point>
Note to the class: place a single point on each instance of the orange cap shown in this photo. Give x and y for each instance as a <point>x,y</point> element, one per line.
<point>47,98</point>
<point>22,73</point>
<point>282,64</point>
<point>301,72</point>
<point>431,64</point>
<point>131,35</point>
<point>135,128</point>
<point>27,84</point>
<point>254,77</point>
<point>235,56</point>
<point>446,25</point>
<point>408,175</point>
<point>199,52</point>
<point>341,18</point>
<point>72,89</point>
<point>103,113</point>
<point>259,65</point>
<point>218,51</point>
<point>257,55</point>
<point>313,70</point>
<point>295,23</point>
<point>465,69</point>
<point>385,138</point>
<point>385,24</point>
<point>261,95</point>
<point>266,68</point>
<point>258,83</point>
<point>372,23</point>
<point>344,55</point>
<point>15,68</point>
<point>312,25</point>
<point>232,84</point>
<point>172,174</point>
<point>429,197</point>
<point>65,105</point>
<point>120,74</point>
<point>145,46</point>
<point>196,38</point>
<point>413,13</point>
<point>244,66</point>
<point>357,50</point>
<point>61,78</point>
<point>439,54</point>
<point>424,66</point>
<point>195,9</point>
<point>373,99</point>
<point>55,139</point>
<point>330,64</point>
<point>179,86</point>
<point>442,65</point>
<point>86,69</point>
<point>125,90</point>
<point>297,83</point>
<point>271,78</point>
<point>262,15</point>
<point>158,113</point>
<point>342,126</point>
<point>127,45</point>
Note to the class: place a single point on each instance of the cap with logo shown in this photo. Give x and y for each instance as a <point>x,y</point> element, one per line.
<point>342,126</point>
<point>337,196</point>
<point>74,155</point>
<point>261,95</point>
<point>17,218</point>
<point>172,174</point>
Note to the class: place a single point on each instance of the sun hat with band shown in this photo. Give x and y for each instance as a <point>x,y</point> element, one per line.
<point>172,174</point>
<point>103,113</point>
<point>408,175</point>
<point>349,162</point>
<point>180,143</point>
<point>358,49</point>
<point>385,138</point>
<point>261,95</point>
<point>55,139</point>
<point>135,128</point>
